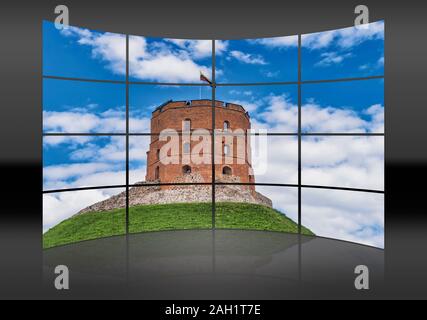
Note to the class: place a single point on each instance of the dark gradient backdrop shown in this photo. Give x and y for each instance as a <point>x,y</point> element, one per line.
<point>405,104</point>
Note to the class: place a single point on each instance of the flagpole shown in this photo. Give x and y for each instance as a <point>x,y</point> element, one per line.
<point>203,78</point>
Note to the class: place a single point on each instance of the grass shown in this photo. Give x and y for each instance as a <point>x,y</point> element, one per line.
<point>174,216</point>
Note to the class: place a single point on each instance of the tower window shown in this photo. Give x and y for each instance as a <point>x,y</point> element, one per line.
<point>158,154</point>
<point>226,171</point>
<point>226,150</point>
<point>186,170</point>
<point>226,125</point>
<point>186,147</point>
<point>157,173</point>
<point>186,125</point>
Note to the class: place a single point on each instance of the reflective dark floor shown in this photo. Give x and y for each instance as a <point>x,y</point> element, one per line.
<point>206,264</point>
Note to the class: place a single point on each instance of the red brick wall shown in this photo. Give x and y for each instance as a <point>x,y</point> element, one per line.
<point>171,116</point>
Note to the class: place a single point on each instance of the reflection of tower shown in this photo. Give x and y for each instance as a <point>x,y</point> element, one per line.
<point>187,116</point>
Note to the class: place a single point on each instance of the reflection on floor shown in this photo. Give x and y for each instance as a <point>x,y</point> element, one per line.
<point>206,264</point>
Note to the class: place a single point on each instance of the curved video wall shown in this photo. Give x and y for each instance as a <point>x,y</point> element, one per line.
<point>145,134</point>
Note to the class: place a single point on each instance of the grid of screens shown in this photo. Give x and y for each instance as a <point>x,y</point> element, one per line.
<point>312,162</point>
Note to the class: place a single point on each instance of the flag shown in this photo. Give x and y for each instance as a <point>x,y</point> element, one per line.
<point>204,78</point>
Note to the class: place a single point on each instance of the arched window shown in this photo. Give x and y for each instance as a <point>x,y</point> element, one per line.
<point>158,154</point>
<point>226,171</point>
<point>186,147</point>
<point>226,125</point>
<point>186,125</point>
<point>186,170</point>
<point>157,173</point>
<point>227,150</point>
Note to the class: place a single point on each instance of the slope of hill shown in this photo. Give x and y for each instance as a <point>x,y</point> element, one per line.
<point>174,216</point>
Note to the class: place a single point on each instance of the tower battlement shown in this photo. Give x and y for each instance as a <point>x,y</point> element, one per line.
<point>168,105</point>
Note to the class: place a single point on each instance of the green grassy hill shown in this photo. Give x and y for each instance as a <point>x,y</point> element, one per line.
<point>143,218</point>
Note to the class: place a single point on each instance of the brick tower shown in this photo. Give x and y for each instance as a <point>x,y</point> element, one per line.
<point>232,157</point>
<point>186,118</point>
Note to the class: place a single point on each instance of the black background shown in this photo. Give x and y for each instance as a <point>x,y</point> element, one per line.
<point>21,115</point>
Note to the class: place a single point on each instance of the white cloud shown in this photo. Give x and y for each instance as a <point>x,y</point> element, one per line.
<point>349,37</point>
<point>156,61</point>
<point>318,40</point>
<point>112,151</point>
<point>137,48</point>
<point>373,66</point>
<point>285,199</point>
<point>200,49</point>
<point>330,58</point>
<point>168,68</point>
<point>277,42</point>
<point>344,161</point>
<point>247,57</point>
<point>239,92</point>
<point>220,46</point>
<point>66,171</point>
<point>82,120</point>
<point>108,47</point>
<point>69,121</point>
<point>376,112</point>
<point>344,38</point>
<point>60,206</point>
<point>105,167</point>
<point>96,164</point>
<point>102,178</point>
<point>280,114</point>
<point>341,161</point>
<point>351,216</point>
<point>271,74</point>
<point>250,106</point>
<point>52,141</point>
<point>160,62</point>
<point>281,158</point>
<point>331,119</point>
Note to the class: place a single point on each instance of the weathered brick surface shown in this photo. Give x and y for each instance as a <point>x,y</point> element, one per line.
<point>171,116</point>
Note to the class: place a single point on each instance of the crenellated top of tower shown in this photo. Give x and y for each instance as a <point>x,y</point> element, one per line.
<point>170,104</point>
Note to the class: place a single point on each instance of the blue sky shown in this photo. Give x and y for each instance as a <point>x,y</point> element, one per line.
<point>82,107</point>
<point>67,55</point>
<point>144,98</point>
<point>343,53</point>
<point>354,106</point>
<point>259,60</point>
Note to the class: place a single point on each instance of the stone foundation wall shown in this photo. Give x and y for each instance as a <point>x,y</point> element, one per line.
<point>151,194</point>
